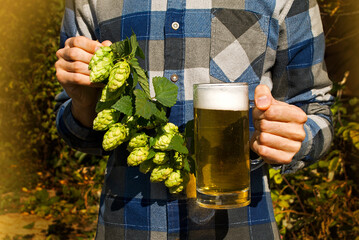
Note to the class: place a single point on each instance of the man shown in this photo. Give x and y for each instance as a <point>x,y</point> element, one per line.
<point>277,47</point>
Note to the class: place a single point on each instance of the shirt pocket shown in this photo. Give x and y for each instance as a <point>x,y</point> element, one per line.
<point>238,45</point>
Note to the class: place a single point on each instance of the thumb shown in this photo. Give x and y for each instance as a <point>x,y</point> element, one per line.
<point>106,43</point>
<point>262,97</point>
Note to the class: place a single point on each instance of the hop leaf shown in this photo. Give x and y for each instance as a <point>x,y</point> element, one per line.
<point>161,172</point>
<point>160,158</point>
<point>166,91</point>
<point>118,75</point>
<point>146,166</point>
<point>116,135</point>
<point>138,155</point>
<point>105,119</point>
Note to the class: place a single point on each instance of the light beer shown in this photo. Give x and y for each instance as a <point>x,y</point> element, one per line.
<point>222,145</point>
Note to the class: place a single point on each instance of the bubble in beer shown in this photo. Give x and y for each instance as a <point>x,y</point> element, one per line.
<point>223,97</point>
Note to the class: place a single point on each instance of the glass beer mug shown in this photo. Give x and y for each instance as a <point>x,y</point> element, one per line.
<point>221,140</point>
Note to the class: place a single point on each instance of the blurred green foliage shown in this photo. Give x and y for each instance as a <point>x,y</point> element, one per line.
<point>322,201</point>
<point>41,175</point>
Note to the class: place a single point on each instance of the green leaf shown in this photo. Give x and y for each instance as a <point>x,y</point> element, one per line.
<point>161,114</point>
<point>152,141</point>
<point>121,49</point>
<point>177,144</point>
<point>334,164</point>
<point>104,105</point>
<point>134,44</point>
<point>29,226</point>
<point>142,76</point>
<point>278,178</point>
<point>166,91</point>
<point>144,107</point>
<point>151,154</point>
<point>124,105</point>
<point>107,95</point>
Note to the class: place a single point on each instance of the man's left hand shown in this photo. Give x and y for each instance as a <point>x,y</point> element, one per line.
<point>279,130</point>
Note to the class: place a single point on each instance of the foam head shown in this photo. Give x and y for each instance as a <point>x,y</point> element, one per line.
<point>227,96</point>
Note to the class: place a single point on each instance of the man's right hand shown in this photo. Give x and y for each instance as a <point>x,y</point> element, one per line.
<point>73,74</point>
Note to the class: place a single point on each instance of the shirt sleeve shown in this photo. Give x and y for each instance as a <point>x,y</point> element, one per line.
<point>77,20</point>
<point>77,136</point>
<point>300,77</point>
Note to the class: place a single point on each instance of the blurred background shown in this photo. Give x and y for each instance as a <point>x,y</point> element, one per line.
<point>49,191</point>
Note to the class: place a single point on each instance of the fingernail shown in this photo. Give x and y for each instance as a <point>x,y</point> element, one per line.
<point>262,101</point>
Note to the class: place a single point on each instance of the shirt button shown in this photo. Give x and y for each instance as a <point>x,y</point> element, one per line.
<point>174,78</point>
<point>175,25</point>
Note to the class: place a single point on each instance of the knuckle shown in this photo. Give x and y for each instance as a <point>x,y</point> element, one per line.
<point>262,151</point>
<point>263,138</point>
<point>67,42</point>
<point>271,113</point>
<point>57,65</point>
<point>263,125</point>
<point>300,135</point>
<point>76,66</point>
<point>59,53</point>
<point>77,41</point>
<point>72,53</point>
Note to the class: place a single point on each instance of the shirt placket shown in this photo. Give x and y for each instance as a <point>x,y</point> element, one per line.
<point>174,55</point>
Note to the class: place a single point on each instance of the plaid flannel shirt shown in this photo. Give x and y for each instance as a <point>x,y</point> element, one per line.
<point>279,43</point>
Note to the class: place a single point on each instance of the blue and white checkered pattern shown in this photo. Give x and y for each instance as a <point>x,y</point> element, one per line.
<point>279,43</point>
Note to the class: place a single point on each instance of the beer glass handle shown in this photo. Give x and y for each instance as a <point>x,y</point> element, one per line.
<point>256,161</point>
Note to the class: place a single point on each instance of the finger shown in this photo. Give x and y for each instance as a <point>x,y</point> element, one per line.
<point>281,113</point>
<point>83,43</point>
<point>106,43</point>
<point>272,155</point>
<point>74,67</point>
<point>262,97</point>
<point>75,54</point>
<point>278,142</point>
<point>69,78</point>
<point>293,131</point>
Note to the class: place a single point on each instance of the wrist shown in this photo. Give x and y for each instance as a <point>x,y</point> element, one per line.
<point>85,114</point>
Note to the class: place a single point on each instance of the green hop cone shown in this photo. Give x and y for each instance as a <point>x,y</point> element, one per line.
<point>101,64</point>
<point>146,166</point>
<point>138,140</point>
<point>137,156</point>
<point>163,141</point>
<point>160,158</point>
<point>118,75</point>
<point>174,179</point>
<point>178,159</point>
<point>116,135</point>
<point>105,119</point>
<point>177,189</point>
<point>161,172</point>
<point>103,54</point>
<point>170,128</point>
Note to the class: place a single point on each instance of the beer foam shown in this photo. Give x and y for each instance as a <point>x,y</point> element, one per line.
<point>234,98</point>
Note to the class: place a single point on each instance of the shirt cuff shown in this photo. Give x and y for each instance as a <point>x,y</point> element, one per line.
<point>75,134</point>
